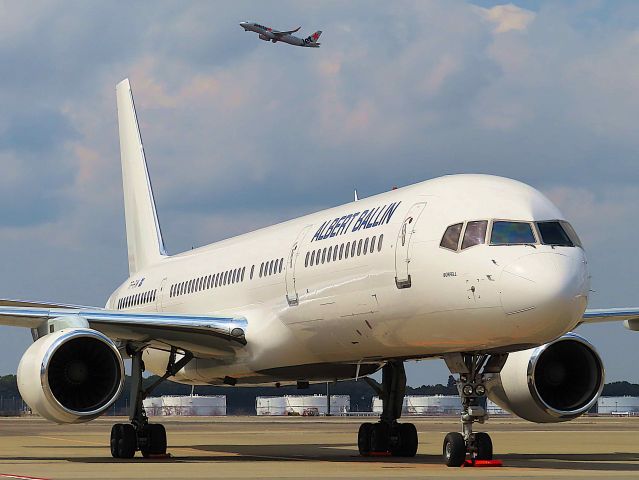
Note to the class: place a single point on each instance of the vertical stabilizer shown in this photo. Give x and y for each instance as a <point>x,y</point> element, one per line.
<point>143,235</point>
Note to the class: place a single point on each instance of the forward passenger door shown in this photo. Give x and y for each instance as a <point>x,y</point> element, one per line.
<point>402,246</point>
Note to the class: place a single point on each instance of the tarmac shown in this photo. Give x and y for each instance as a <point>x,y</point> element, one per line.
<point>316,447</point>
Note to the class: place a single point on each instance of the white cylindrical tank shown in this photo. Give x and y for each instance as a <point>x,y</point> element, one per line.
<point>196,405</point>
<point>493,409</point>
<point>270,406</point>
<point>153,406</point>
<point>425,405</point>
<point>618,405</point>
<point>304,405</point>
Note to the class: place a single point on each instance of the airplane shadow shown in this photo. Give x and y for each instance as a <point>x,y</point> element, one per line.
<point>620,461</point>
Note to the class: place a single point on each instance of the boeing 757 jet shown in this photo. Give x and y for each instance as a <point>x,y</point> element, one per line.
<point>268,34</point>
<point>479,271</point>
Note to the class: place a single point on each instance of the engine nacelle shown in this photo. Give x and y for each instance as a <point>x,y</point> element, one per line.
<point>555,382</point>
<point>71,376</point>
<point>264,37</point>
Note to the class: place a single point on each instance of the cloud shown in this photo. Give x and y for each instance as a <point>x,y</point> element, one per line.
<point>508,17</point>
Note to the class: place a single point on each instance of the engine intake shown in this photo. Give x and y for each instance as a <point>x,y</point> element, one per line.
<point>71,376</point>
<point>555,382</point>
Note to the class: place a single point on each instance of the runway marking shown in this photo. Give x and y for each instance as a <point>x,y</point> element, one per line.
<point>69,440</point>
<point>7,475</point>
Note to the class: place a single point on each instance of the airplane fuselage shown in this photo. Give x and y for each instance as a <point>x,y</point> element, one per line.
<point>267,34</point>
<point>337,292</point>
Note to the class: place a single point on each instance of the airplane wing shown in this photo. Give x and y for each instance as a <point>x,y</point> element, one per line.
<point>290,32</point>
<point>630,316</point>
<point>202,335</point>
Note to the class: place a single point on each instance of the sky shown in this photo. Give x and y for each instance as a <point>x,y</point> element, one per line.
<point>241,133</point>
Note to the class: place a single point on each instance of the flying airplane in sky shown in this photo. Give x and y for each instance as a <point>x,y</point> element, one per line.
<point>268,34</point>
<point>481,271</point>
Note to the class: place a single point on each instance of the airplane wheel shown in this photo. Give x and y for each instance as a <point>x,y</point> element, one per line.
<point>454,449</point>
<point>408,441</point>
<point>380,437</point>
<point>155,440</point>
<point>123,440</point>
<point>484,446</point>
<point>364,438</point>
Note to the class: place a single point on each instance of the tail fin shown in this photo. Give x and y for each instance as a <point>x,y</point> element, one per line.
<point>313,38</point>
<point>143,234</point>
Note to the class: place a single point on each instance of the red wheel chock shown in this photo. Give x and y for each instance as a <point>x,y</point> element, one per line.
<point>377,454</point>
<point>483,463</point>
<point>159,456</point>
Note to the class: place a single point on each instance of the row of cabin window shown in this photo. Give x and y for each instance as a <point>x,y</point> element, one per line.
<point>337,252</point>
<point>207,282</point>
<point>269,268</point>
<point>137,299</point>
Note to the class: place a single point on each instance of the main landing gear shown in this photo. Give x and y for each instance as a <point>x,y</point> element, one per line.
<point>472,369</point>
<point>387,437</point>
<point>149,438</point>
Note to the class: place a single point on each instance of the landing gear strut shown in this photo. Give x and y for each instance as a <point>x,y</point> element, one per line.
<point>472,369</point>
<point>387,436</point>
<point>149,438</point>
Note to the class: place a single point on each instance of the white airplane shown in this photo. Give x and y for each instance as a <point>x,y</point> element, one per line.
<point>480,271</point>
<point>268,34</point>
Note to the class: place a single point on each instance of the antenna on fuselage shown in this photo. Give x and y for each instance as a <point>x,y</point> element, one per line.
<point>356,196</point>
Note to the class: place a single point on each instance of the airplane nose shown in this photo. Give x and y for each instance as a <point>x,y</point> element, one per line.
<point>553,287</point>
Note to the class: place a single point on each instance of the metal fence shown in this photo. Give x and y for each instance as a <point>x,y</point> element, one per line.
<point>12,406</point>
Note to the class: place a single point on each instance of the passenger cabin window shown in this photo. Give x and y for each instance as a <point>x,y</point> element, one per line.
<point>553,233</point>
<point>512,233</point>
<point>475,234</point>
<point>450,240</point>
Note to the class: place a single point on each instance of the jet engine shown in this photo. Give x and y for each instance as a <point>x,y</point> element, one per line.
<point>264,37</point>
<point>71,376</point>
<point>555,382</point>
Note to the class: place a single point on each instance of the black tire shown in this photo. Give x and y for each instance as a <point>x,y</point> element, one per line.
<point>454,450</point>
<point>364,438</point>
<point>155,440</point>
<point>408,441</point>
<point>380,437</point>
<point>484,446</point>
<point>123,441</point>
<point>115,439</point>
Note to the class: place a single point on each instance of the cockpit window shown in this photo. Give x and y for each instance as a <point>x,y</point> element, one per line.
<point>512,233</point>
<point>475,233</point>
<point>450,240</point>
<point>574,238</point>
<point>553,233</point>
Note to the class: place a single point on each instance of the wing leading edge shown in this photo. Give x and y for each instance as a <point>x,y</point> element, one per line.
<point>203,335</point>
<point>288,32</point>
<point>629,316</point>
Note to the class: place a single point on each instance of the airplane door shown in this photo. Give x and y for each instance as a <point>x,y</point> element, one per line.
<point>402,247</point>
<point>291,289</point>
<point>160,295</point>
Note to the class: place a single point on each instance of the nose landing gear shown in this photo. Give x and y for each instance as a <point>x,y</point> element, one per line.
<point>388,437</point>
<point>472,369</point>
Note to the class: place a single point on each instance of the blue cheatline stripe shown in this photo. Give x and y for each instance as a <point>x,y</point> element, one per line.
<point>610,313</point>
